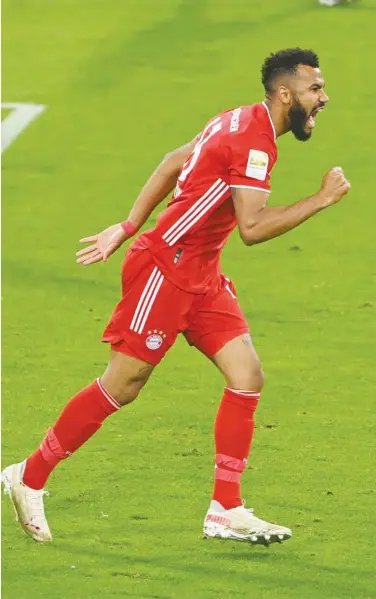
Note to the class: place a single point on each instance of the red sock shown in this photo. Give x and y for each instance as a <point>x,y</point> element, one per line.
<point>233,433</point>
<point>79,420</point>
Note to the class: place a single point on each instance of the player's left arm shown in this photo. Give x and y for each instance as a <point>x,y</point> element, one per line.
<point>250,182</point>
<point>159,185</point>
<point>257,222</point>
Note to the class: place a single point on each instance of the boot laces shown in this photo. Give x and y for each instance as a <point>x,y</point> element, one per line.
<point>35,501</point>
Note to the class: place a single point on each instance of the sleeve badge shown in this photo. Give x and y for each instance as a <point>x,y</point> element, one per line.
<point>257,165</point>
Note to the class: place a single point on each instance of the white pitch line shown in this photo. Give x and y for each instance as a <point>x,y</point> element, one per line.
<point>15,122</point>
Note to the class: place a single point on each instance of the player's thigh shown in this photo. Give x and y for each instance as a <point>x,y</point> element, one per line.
<point>151,313</point>
<point>218,328</point>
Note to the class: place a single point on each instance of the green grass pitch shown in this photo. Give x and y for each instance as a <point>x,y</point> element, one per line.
<point>125,81</point>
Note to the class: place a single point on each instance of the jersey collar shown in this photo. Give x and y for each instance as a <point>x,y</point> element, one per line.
<point>270,119</point>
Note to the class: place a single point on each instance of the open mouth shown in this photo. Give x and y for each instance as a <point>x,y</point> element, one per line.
<point>311,121</point>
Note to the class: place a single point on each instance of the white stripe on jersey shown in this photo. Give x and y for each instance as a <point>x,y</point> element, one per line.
<point>218,195</point>
<point>199,208</point>
<point>250,187</point>
<point>192,208</point>
<point>146,301</point>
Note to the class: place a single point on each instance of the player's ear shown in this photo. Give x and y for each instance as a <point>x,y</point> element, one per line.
<point>284,95</point>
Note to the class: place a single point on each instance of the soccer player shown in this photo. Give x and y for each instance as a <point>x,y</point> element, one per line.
<point>172,283</point>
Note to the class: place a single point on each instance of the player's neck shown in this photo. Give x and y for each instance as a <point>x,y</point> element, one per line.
<point>277,117</point>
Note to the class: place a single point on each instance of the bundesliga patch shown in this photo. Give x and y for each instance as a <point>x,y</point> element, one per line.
<point>154,339</point>
<point>257,165</point>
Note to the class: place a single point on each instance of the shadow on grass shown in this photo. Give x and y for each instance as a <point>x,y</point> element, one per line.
<point>277,565</point>
<point>283,569</point>
<point>39,275</point>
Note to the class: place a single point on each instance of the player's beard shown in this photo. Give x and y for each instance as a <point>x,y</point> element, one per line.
<point>298,119</point>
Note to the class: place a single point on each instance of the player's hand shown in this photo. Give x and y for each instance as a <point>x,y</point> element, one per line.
<point>101,245</point>
<point>334,186</point>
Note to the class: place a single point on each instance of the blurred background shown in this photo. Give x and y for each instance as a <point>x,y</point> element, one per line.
<point>101,90</point>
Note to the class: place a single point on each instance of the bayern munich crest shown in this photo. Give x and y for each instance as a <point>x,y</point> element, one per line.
<point>154,339</point>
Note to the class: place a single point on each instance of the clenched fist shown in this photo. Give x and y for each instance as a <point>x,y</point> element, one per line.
<point>334,186</point>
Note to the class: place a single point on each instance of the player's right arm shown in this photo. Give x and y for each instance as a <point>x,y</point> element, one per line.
<point>257,222</point>
<point>159,185</point>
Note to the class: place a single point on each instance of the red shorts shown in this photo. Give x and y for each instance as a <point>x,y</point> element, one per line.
<point>153,311</point>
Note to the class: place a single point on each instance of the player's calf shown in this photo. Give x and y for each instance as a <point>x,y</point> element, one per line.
<point>234,425</point>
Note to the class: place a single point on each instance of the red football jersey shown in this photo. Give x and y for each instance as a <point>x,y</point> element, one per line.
<point>236,149</point>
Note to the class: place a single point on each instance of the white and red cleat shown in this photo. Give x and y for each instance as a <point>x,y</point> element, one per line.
<point>240,524</point>
<point>27,503</point>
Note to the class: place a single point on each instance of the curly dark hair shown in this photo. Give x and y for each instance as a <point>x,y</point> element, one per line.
<point>286,61</point>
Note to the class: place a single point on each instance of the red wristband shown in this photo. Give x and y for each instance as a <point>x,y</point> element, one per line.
<point>128,228</point>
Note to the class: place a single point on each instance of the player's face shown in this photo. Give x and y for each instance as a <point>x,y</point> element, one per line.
<point>308,98</point>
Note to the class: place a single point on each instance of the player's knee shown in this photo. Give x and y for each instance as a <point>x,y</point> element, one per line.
<point>256,379</point>
<point>125,377</point>
<point>128,390</point>
<point>249,379</point>
<point>260,379</point>
<point>123,390</point>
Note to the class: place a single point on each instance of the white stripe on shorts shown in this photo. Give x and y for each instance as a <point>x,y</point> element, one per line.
<point>146,301</point>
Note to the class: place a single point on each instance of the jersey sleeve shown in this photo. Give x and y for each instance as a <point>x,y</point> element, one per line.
<point>251,161</point>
